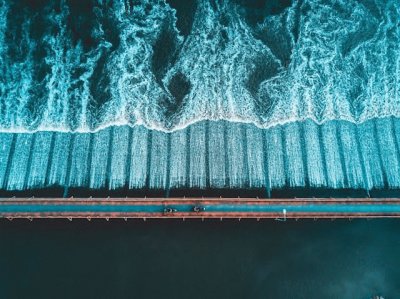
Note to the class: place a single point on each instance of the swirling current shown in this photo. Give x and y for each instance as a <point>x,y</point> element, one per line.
<point>73,65</point>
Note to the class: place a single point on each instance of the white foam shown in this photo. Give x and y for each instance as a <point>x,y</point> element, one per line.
<point>344,68</point>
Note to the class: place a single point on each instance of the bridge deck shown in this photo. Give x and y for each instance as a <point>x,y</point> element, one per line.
<point>209,208</point>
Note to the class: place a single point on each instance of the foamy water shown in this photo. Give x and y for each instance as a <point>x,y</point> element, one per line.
<point>72,66</point>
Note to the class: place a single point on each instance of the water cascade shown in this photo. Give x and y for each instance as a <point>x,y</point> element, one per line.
<point>216,155</point>
<point>206,94</point>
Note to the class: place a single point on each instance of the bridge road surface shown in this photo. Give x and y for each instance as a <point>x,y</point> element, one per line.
<point>199,208</point>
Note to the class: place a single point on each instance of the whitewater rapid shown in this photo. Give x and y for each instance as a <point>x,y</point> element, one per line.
<point>83,66</point>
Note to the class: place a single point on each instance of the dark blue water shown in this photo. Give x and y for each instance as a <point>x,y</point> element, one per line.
<point>194,259</point>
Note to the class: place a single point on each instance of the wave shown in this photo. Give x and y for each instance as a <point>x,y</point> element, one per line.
<point>73,66</point>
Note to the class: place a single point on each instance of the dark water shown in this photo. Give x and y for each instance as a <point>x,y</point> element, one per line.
<point>171,259</point>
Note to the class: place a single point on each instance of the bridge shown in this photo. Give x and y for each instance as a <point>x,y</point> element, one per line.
<point>220,208</point>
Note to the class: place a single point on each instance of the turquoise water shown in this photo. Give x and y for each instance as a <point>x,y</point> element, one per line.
<point>262,95</point>
<point>169,63</point>
<point>206,159</point>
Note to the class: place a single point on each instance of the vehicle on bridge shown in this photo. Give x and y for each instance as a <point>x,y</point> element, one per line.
<point>198,209</point>
<point>170,210</point>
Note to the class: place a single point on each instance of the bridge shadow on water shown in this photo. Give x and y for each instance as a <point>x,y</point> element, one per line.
<point>58,192</point>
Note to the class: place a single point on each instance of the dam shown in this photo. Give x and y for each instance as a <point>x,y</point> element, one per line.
<point>206,158</point>
<point>200,148</point>
<point>207,155</point>
<point>139,99</point>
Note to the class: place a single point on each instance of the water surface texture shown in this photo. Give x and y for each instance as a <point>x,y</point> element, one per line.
<point>193,259</point>
<point>206,94</point>
<point>67,65</point>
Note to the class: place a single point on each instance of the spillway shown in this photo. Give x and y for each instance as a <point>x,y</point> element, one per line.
<point>176,97</point>
<point>207,155</point>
